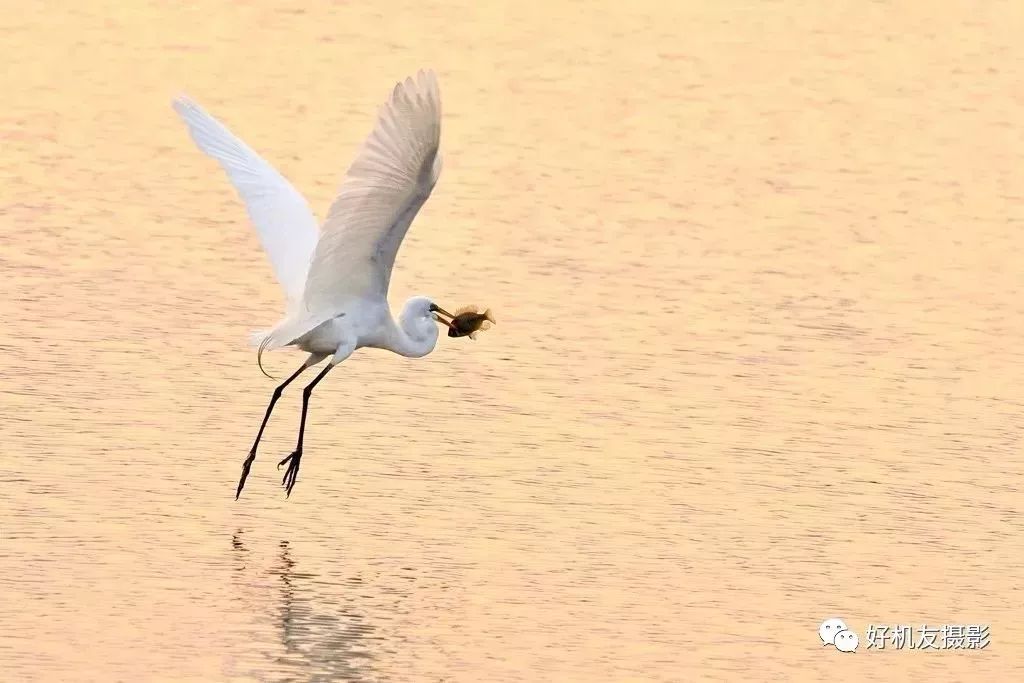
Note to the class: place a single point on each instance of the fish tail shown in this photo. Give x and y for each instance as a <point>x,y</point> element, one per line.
<point>488,316</point>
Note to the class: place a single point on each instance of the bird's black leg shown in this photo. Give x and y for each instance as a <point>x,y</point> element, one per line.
<point>259,435</point>
<point>293,460</point>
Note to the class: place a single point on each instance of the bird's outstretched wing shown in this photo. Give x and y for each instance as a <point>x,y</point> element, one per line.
<point>286,225</point>
<point>383,190</point>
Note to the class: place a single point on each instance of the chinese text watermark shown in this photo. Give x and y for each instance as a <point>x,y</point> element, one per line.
<point>925,637</point>
<point>835,632</point>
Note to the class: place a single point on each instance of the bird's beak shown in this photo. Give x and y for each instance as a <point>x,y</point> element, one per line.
<point>438,312</point>
<point>434,308</point>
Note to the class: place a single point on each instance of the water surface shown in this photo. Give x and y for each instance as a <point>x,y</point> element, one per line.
<point>756,269</point>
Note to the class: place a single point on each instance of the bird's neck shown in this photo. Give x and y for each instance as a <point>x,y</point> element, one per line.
<point>406,345</point>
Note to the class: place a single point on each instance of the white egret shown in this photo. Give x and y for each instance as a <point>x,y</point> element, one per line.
<point>336,280</point>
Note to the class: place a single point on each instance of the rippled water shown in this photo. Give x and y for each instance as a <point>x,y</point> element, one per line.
<point>757,275</point>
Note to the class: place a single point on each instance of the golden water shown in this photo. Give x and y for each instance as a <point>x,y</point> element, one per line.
<point>756,269</point>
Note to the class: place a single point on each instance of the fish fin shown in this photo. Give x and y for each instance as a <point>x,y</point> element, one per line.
<point>490,316</point>
<point>485,325</point>
<point>465,309</point>
<point>472,335</point>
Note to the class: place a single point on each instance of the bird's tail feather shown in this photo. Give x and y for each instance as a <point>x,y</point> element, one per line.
<point>256,337</point>
<point>286,332</point>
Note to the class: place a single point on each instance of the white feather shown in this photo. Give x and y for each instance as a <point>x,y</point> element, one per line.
<point>283,220</point>
<point>390,179</point>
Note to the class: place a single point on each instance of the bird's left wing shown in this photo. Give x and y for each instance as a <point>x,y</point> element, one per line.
<point>383,190</point>
<point>286,225</point>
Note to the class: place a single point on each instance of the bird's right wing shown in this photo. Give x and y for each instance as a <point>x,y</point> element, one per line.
<point>383,190</point>
<point>286,225</point>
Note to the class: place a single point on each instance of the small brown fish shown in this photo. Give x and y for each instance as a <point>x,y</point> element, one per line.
<point>467,322</point>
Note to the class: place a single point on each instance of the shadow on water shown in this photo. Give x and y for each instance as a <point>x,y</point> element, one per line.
<point>322,641</point>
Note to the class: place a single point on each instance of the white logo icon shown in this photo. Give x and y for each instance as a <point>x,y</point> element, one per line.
<point>829,629</point>
<point>835,632</point>
<point>847,641</point>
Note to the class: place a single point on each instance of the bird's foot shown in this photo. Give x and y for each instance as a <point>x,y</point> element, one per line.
<point>245,472</point>
<point>290,474</point>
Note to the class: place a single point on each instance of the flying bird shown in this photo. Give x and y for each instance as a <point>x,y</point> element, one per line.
<point>336,278</point>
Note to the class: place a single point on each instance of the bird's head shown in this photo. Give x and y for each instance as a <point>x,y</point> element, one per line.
<point>420,316</point>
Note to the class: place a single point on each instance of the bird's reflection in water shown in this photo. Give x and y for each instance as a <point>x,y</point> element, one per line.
<point>322,641</point>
